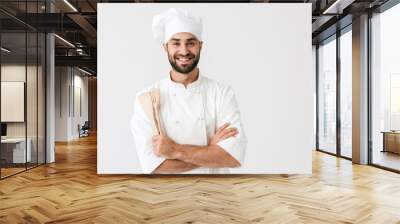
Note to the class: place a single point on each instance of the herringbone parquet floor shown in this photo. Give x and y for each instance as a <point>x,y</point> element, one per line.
<point>70,191</point>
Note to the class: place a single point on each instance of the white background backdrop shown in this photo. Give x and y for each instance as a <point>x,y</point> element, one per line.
<point>262,50</point>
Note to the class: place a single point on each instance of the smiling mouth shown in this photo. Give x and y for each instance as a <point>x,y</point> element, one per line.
<point>184,60</point>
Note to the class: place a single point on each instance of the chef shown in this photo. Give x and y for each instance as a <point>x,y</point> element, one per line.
<point>201,129</point>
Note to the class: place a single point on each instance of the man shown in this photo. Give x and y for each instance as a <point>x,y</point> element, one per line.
<point>191,108</point>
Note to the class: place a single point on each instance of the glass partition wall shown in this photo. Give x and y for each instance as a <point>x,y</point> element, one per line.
<point>13,89</point>
<point>22,77</point>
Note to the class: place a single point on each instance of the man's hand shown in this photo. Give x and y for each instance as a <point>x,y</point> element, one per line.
<point>174,166</point>
<point>212,155</point>
<point>164,147</point>
<point>222,133</point>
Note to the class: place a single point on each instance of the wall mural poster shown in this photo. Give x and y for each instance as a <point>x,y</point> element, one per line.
<point>205,89</point>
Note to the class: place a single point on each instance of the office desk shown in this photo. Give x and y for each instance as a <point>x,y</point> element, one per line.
<point>13,150</point>
<point>391,141</point>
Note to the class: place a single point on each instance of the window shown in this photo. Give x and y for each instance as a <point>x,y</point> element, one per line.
<point>346,93</point>
<point>385,89</point>
<point>327,96</point>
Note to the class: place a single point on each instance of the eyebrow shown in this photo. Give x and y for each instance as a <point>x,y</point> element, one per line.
<point>177,39</point>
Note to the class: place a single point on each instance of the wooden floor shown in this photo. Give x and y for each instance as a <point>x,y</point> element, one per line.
<point>8,171</point>
<point>5,172</point>
<point>70,191</point>
<point>387,159</point>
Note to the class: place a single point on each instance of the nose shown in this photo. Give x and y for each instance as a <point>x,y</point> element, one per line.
<point>183,49</point>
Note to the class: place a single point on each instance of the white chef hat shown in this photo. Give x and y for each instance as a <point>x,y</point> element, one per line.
<point>173,21</point>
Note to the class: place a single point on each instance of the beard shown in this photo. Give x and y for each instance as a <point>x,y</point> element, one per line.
<point>184,69</point>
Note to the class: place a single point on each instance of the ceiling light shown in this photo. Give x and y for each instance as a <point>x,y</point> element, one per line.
<point>64,40</point>
<point>338,6</point>
<point>331,7</point>
<point>70,5</point>
<point>84,71</point>
<point>5,50</point>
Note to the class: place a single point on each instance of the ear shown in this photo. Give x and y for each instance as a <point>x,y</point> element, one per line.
<point>165,48</point>
<point>201,45</point>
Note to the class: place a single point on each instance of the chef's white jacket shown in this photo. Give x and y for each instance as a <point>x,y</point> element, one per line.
<point>189,115</point>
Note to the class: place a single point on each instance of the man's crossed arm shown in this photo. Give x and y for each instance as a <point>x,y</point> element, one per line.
<point>182,158</point>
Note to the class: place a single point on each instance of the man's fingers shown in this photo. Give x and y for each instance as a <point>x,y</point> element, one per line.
<point>227,130</point>
<point>229,134</point>
<point>224,131</point>
<point>222,127</point>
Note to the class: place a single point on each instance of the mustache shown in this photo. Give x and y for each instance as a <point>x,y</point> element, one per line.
<point>185,56</point>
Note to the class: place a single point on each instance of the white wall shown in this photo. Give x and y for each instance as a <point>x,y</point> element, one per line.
<point>68,81</point>
<point>314,73</point>
<point>61,103</point>
<point>80,84</point>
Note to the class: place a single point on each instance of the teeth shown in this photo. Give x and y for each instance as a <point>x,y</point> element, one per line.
<point>184,59</point>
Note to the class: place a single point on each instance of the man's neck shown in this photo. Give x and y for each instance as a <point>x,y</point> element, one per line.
<point>184,79</point>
